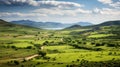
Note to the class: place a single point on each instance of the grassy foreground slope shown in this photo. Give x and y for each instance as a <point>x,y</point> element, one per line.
<point>15,41</point>
<point>94,46</point>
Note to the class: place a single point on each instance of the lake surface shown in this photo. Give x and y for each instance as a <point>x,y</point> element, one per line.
<point>53,28</point>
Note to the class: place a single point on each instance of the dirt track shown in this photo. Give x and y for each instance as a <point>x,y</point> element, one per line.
<point>21,58</point>
<point>30,57</point>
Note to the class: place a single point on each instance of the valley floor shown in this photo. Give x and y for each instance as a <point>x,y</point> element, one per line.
<point>63,48</point>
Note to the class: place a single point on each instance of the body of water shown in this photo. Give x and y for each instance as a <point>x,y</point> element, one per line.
<point>54,28</point>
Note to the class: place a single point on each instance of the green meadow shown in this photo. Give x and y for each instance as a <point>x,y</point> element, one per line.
<point>59,48</point>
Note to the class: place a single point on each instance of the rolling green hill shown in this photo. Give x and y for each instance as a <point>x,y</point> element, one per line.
<point>76,46</point>
<point>107,23</point>
<point>106,30</point>
<point>11,25</point>
<point>73,27</point>
<point>110,23</point>
<point>15,28</point>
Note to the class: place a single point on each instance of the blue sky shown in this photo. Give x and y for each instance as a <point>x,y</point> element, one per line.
<point>64,11</point>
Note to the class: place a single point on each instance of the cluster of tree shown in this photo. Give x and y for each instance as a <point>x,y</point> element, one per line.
<point>42,53</point>
<point>114,53</point>
<point>52,43</point>
<point>85,47</point>
<point>85,63</point>
<point>99,44</point>
<point>17,48</point>
<point>67,40</point>
<point>15,62</point>
<point>53,51</point>
<point>113,45</point>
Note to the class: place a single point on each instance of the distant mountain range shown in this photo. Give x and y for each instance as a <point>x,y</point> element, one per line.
<point>32,24</point>
<point>48,24</point>
<point>107,23</point>
<point>8,25</point>
<point>84,23</point>
<point>73,27</point>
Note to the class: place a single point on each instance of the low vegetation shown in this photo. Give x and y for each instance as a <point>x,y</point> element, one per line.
<point>78,47</point>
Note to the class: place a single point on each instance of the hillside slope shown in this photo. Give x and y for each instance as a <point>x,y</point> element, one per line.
<point>15,28</point>
<point>110,23</point>
<point>107,23</point>
<point>107,30</point>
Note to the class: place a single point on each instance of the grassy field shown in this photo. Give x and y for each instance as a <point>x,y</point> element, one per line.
<point>63,48</point>
<point>100,35</point>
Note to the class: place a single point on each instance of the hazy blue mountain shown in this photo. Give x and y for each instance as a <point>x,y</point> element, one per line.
<point>61,25</point>
<point>95,27</point>
<point>48,24</point>
<point>84,23</point>
<point>5,24</point>
<point>73,27</point>
<point>40,24</point>
<point>109,23</point>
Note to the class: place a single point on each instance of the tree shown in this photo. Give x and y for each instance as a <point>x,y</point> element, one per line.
<point>37,45</point>
<point>13,47</point>
<point>29,47</point>
<point>16,62</point>
<point>42,53</point>
<point>46,43</point>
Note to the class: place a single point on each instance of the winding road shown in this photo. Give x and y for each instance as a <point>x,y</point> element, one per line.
<point>20,59</point>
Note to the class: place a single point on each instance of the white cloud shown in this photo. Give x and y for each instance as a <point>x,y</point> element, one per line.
<point>107,11</point>
<point>59,3</point>
<point>94,18</point>
<point>62,12</point>
<point>96,10</point>
<point>19,2</point>
<point>111,3</point>
<point>105,1</point>
<point>116,5</point>
<point>83,11</point>
<point>48,3</point>
<point>18,14</point>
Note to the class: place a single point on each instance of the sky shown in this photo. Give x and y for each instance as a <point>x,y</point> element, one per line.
<point>64,11</point>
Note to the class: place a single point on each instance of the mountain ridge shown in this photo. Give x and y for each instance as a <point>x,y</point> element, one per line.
<point>4,23</point>
<point>48,24</point>
<point>107,23</point>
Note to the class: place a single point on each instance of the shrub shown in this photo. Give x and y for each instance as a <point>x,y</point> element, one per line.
<point>22,65</point>
<point>46,57</point>
<point>97,44</point>
<point>42,53</point>
<point>54,59</point>
<point>111,45</point>
<point>38,63</point>
<point>16,62</point>
<point>110,53</point>
<point>13,47</point>
<point>67,65</point>
<point>78,60</point>
<point>29,47</point>
<point>24,60</point>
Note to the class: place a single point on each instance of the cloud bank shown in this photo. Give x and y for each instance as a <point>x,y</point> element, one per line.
<point>49,3</point>
<point>60,11</point>
<point>111,3</point>
<point>19,2</point>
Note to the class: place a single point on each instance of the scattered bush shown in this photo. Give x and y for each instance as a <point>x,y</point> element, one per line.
<point>13,47</point>
<point>42,53</point>
<point>16,62</point>
<point>29,47</point>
